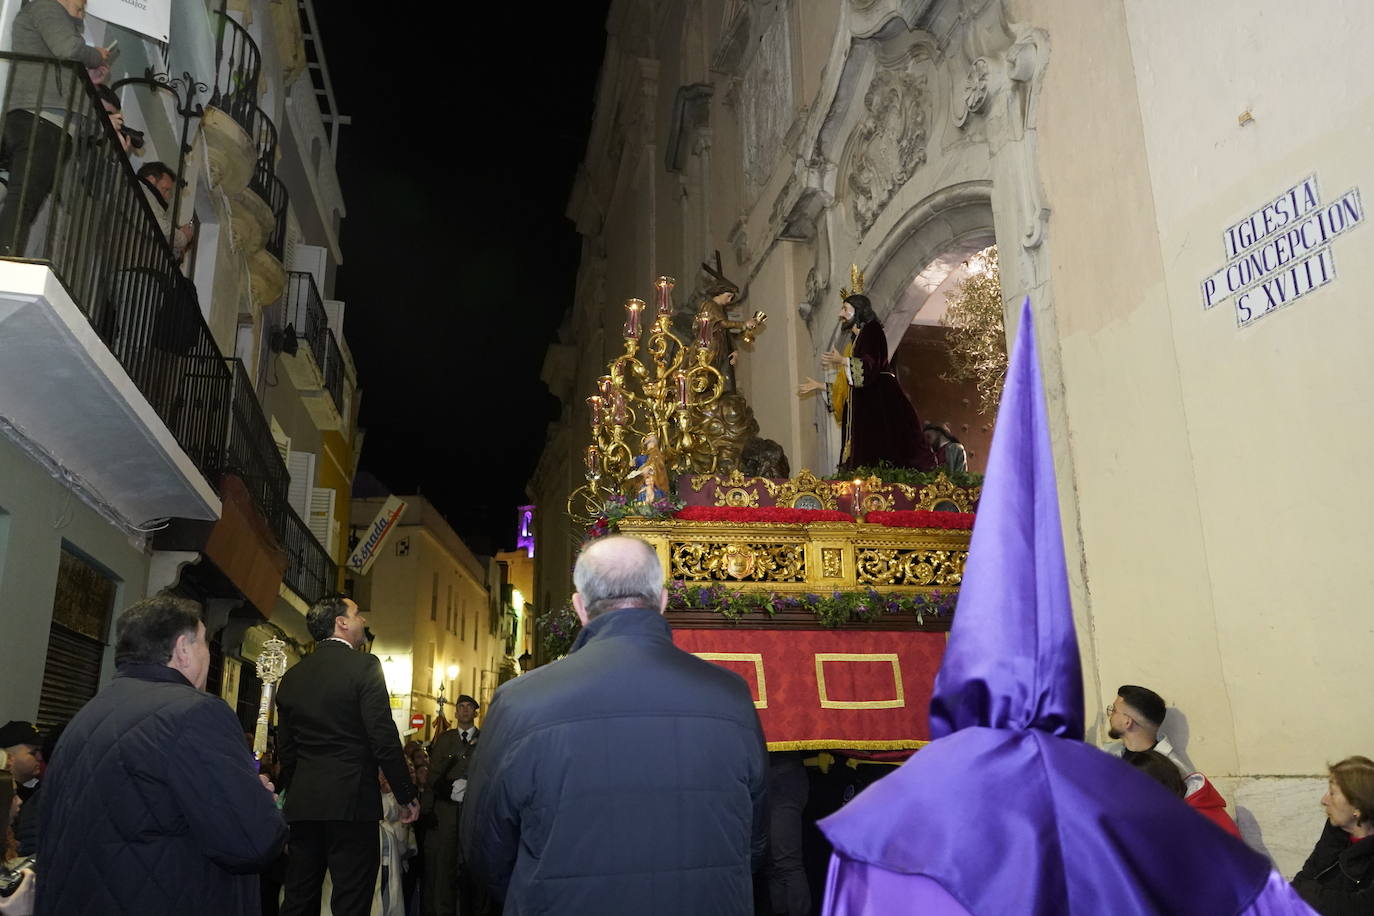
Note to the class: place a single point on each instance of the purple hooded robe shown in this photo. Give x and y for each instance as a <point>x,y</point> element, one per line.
<point>1007,811</point>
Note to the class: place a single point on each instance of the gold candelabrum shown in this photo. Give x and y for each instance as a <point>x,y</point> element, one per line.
<point>271,663</point>
<point>649,403</point>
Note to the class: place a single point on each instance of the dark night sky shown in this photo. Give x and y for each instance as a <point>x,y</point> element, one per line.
<point>458,260</point>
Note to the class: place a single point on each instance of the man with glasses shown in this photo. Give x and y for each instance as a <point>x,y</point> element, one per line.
<point>1134,719</point>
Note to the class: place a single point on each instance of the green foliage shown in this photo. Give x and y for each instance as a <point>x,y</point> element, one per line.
<point>557,631</point>
<point>831,610</point>
<point>910,476</point>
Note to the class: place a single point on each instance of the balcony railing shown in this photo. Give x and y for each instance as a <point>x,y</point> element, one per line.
<point>277,200</point>
<point>251,453</point>
<point>333,370</point>
<point>310,572</point>
<point>238,64</point>
<point>74,203</point>
<point>264,181</point>
<point>305,311</point>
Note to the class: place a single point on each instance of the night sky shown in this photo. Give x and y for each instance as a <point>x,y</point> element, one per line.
<point>458,261</point>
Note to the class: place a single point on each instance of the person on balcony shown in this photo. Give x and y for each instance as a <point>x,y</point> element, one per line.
<point>159,184</point>
<point>38,109</point>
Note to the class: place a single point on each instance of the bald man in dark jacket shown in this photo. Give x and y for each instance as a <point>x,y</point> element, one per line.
<point>626,778</point>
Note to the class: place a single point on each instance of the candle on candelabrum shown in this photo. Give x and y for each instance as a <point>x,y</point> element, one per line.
<point>593,461</point>
<point>703,327</point>
<point>619,413</point>
<point>683,391</point>
<point>665,295</point>
<point>632,309</point>
<point>603,387</point>
<point>596,403</point>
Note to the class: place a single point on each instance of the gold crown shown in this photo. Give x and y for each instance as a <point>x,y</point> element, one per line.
<point>856,277</point>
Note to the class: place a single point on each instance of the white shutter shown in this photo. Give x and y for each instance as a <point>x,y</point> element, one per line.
<point>321,520</point>
<point>301,467</point>
<point>280,437</point>
<point>334,308</point>
<point>311,258</point>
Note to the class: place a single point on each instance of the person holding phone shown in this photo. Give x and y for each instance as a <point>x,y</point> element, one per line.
<point>38,109</point>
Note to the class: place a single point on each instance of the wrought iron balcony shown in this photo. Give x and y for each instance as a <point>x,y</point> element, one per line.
<point>251,453</point>
<point>264,181</point>
<point>310,572</point>
<point>93,305</point>
<point>277,199</point>
<point>106,363</point>
<point>305,313</point>
<point>238,65</point>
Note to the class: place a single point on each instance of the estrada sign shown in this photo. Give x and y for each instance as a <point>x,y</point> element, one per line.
<point>1282,251</point>
<point>148,17</point>
<point>360,561</point>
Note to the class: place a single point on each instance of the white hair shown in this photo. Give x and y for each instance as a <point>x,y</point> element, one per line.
<point>618,572</point>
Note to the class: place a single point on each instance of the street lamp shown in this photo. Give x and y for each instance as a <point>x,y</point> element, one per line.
<point>452,673</point>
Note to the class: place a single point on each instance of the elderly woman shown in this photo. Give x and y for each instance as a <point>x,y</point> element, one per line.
<point>1338,878</point>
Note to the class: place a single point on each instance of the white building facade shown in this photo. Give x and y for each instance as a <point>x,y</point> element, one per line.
<point>172,420</point>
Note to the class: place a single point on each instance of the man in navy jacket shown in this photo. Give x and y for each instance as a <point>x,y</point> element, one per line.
<point>626,778</point>
<point>154,804</point>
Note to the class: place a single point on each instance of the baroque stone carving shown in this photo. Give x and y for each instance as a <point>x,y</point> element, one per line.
<point>888,145</point>
<point>975,92</point>
<point>765,93</point>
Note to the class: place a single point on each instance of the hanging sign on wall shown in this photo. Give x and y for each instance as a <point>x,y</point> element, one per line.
<point>147,17</point>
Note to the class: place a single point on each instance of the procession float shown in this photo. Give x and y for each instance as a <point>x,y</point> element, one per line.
<point>831,597</point>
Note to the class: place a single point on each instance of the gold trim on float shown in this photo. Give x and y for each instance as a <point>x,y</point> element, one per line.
<point>755,657</point>
<point>840,744</point>
<point>890,657</point>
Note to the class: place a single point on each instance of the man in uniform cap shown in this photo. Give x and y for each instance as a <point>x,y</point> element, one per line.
<point>451,889</point>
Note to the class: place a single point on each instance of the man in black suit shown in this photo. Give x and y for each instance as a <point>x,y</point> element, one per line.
<point>334,732</point>
<point>449,888</point>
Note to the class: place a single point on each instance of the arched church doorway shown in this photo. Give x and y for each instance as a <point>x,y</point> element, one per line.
<point>936,247</point>
<point>925,363</point>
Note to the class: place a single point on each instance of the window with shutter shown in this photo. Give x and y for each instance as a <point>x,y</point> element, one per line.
<point>321,519</point>
<point>301,467</point>
<point>82,607</point>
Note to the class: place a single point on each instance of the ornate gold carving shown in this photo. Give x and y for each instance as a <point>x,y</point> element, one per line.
<point>738,497</point>
<point>920,566</point>
<point>750,561</point>
<point>774,557</point>
<point>722,428</point>
<point>943,490</point>
<point>801,487</point>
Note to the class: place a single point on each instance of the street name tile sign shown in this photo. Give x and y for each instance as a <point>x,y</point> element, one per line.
<point>1281,251</point>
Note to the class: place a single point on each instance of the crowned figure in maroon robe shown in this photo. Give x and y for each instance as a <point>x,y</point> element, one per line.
<point>878,424</point>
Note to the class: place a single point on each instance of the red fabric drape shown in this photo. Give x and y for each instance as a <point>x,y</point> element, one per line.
<point>822,689</point>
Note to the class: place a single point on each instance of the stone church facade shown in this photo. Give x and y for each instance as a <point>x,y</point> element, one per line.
<point>1106,147</point>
